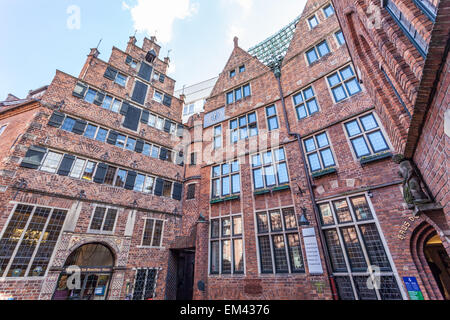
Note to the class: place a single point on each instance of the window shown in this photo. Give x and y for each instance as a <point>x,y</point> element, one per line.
<point>144,284</point>
<point>238,94</point>
<point>328,10</point>
<point>313,22</point>
<point>77,168</point>
<point>226,179</point>
<point>110,174</point>
<point>343,84</point>
<point>190,192</point>
<point>243,127</point>
<point>279,242</point>
<point>167,189</point>
<point>51,162</point>
<point>242,69</point>
<point>272,119</point>
<point>121,178</point>
<point>340,37</point>
<point>217,137</point>
<point>90,132</point>
<point>188,109</point>
<point>318,152</point>
<point>29,239</point>
<point>103,219</point>
<point>89,171</point>
<point>68,124</point>
<point>232,73</point>
<point>366,136</point>
<point>226,245</point>
<point>121,79</point>
<point>269,169</point>
<point>317,52</point>
<point>158,96</point>
<point>152,233</point>
<point>2,129</point>
<point>131,144</point>
<point>131,62</point>
<point>354,243</point>
<point>306,103</point>
<point>408,28</point>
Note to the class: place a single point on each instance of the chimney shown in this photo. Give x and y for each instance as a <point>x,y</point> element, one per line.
<point>236,42</point>
<point>94,52</point>
<point>167,60</point>
<point>132,40</point>
<point>182,97</point>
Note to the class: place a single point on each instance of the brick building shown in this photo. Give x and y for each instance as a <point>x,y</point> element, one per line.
<point>284,187</point>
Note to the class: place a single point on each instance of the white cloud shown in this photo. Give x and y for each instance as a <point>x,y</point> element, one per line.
<point>156,16</point>
<point>172,68</point>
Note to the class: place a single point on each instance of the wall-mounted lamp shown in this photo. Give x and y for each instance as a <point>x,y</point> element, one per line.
<point>370,194</point>
<point>303,220</point>
<point>201,219</point>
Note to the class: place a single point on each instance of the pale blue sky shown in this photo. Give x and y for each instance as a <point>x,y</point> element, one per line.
<point>36,40</point>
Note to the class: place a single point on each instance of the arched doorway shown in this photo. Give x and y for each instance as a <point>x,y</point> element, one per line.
<point>87,274</point>
<point>439,263</point>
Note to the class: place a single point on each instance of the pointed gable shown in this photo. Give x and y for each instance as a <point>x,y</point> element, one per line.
<point>239,57</point>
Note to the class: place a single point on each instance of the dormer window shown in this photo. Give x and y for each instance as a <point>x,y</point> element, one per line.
<point>151,56</point>
<point>232,73</point>
<point>313,22</point>
<point>242,69</point>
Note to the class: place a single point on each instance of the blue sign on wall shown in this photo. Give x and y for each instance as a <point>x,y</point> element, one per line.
<point>413,288</point>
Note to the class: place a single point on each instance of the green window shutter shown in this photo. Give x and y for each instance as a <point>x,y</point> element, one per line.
<point>159,187</point>
<point>128,60</point>
<point>145,116</point>
<point>139,92</point>
<point>66,165</point>
<point>33,157</point>
<point>112,137</point>
<point>163,154</point>
<point>99,98</point>
<point>110,73</point>
<point>79,91</point>
<point>145,72</point>
<point>100,174</point>
<point>180,130</point>
<point>132,118</point>
<point>162,78</point>
<point>177,189</point>
<point>167,101</point>
<point>56,119</point>
<point>131,179</point>
<point>79,127</point>
<point>139,146</point>
<point>167,125</point>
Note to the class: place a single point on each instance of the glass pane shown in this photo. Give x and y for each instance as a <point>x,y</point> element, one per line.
<point>327,158</point>
<point>290,221</point>
<point>167,189</point>
<point>326,214</point>
<point>309,93</point>
<point>237,226</point>
<point>89,171</point>
<point>301,112</point>
<point>335,251</point>
<point>298,98</point>
<point>279,155</point>
<point>157,234</point>
<point>243,133</point>
<point>328,10</point>
<point>262,221</point>
<point>218,130</point>
<point>253,130</point>
<point>225,169</point>
<point>101,135</point>
<point>242,121</point>
<point>363,290</point>
<point>230,97</point>
<point>116,105</point>
<point>247,91</point>
<point>347,73</point>
<point>77,169</point>
<point>360,147</point>
<point>90,131</point>
<point>149,182</point>
<point>226,227</point>
<point>216,171</point>
<point>265,254</point>
<point>374,247</point>
<point>313,22</point>
<point>147,149</point>
<point>295,253</point>
<point>226,256</point>
<point>225,186</point>
<point>121,178</point>
<point>354,251</point>
<point>90,96</point>
<point>353,86</point>
<point>323,48</point>
<point>271,111</point>
<point>131,144</point>
<point>238,94</point>
<point>269,176</point>
<point>312,106</point>
<point>234,136</point>
<point>139,183</point>
<point>256,160</point>
<point>155,152</point>
<point>339,93</point>
<point>310,145</point>
<point>235,166</point>
<point>312,55</point>
<point>120,142</point>
<point>215,257</point>
<point>282,173</point>
<point>314,162</point>
<point>340,37</point>
<point>233,124</point>
<point>369,122</point>
<point>215,225</point>
<point>389,289</point>
<point>51,162</point>
<point>377,141</point>
<point>342,211</point>
<point>267,157</point>
<point>322,140</point>
<point>345,288</point>
<point>216,188</point>
<point>275,221</point>
<point>238,256</point>
<point>110,174</point>
<point>258,179</point>
<point>110,220</point>
<point>97,219</point>
<point>361,208</point>
<point>235,183</point>
<point>279,251</point>
<point>273,123</point>
<point>334,79</point>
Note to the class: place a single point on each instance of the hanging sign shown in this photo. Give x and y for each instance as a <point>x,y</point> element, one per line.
<point>312,251</point>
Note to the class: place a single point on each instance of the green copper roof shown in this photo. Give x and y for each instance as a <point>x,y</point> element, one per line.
<point>272,50</point>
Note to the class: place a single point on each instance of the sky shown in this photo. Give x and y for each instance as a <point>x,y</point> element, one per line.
<point>37,37</point>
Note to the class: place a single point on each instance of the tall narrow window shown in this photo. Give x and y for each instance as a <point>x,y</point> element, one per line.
<point>145,284</point>
<point>328,10</point>
<point>354,243</point>
<point>318,152</point>
<point>340,37</point>
<point>153,230</point>
<point>225,180</point>
<point>279,241</point>
<point>226,245</point>
<point>104,219</point>
<point>217,137</point>
<point>2,129</point>
<point>272,118</point>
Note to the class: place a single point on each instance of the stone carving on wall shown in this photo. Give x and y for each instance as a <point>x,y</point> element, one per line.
<point>412,185</point>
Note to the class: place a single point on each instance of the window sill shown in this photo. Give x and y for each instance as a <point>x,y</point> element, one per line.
<point>275,189</point>
<point>375,157</point>
<point>219,200</point>
<point>321,173</point>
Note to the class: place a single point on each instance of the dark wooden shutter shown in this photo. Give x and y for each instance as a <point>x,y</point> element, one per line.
<point>139,92</point>
<point>145,116</point>
<point>79,91</point>
<point>110,73</point>
<point>180,130</point>
<point>162,78</point>
<point>79,127</point>
<point>177,189</point>
<point>132,118</point>
<point>66,165</point>
<point>139,146</point>
<point>163,154</point>
<point>145,72</point>
<point>159,187</point>
<point>56,119</point>
<point>167,125</point>
<point>112,137</point>
<point>33,157</point>
<point>167,100</point>
<point>100,174</point>
<point>128,60</point>
<point>99,98</point>
<point>131,179</point>
<point>124,109</point>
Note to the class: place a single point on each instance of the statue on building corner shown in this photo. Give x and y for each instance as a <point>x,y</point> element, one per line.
<point>412,188</point>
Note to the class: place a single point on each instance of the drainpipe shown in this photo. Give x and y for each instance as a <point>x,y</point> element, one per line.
<point>277,73</point>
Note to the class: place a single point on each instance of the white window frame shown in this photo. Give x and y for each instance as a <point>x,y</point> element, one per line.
<point>3,128</point>
<point>273,165</point>
<point>342,83</point>
<point>229,175</point>
<point>161,246</point>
